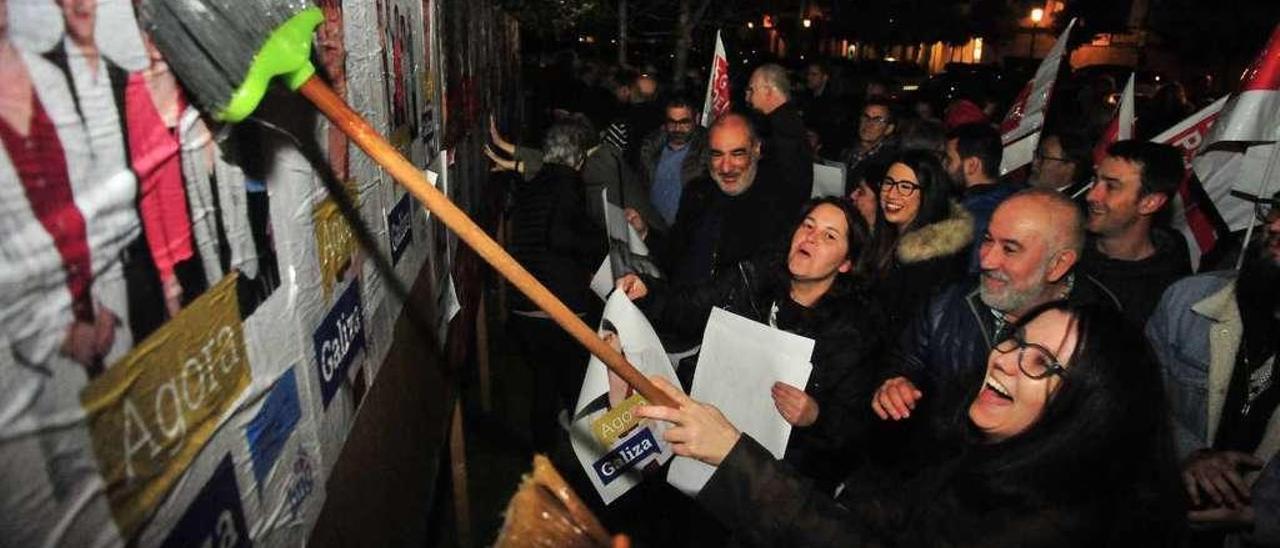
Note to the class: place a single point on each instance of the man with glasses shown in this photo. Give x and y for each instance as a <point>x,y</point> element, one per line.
<point>1063,162</point>
<point>1027,256</point>
<point>1216,336</point>
<point>1129,249</point>
<point>671,157</point>
<point>782,131</point>
<point>875,143</point>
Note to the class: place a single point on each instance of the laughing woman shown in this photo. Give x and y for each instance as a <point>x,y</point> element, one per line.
<point>1066,443</point>
<point>812,292</point>
<point>922,238</point>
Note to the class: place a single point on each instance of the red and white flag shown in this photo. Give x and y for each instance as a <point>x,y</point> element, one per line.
<point>1253,114</point>
<point>1194,214</point>
<point>1121,126</point>
<point>717,101</point>
<point>1239,157</point>
<point>1020,130</point>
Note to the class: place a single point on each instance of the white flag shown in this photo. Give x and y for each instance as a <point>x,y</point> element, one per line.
<point>1020,130</point>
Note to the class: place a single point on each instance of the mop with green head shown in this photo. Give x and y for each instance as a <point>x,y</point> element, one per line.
<point>228,52</point>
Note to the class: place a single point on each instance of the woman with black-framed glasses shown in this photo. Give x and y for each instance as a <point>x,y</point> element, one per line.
<point>1066,442</point>
<point>922,238</point>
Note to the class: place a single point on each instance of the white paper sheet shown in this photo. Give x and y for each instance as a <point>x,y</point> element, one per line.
<point>642,348</point>
<point>740,361</point>
<point>620,230</point>
<point>602,280</point>
<point>448,306</point>
<point>828,179</point>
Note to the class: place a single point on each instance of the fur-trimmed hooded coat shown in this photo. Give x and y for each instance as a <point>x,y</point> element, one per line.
<point>925,261</point>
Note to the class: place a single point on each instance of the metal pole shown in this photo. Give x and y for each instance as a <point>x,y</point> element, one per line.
<point>1262,186</point>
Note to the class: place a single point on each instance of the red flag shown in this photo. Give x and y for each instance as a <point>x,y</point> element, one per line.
<point>1194,214</point>
<point>1020,130</point>
<point>717,101</point>
<point>1253,114</point>
<point>1121,126</point>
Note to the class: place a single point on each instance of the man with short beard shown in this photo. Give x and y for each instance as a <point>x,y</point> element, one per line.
<point>1027,257</point>
<point>1216,335</point>
<point>673,156</point>
<point>728,216</point>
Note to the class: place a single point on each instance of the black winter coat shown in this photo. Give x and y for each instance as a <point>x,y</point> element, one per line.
<point>714,231</point>
<point>553,236</point>
<point>925,261</point>
<point>786,144</point>
<point>1139,284</point>
<point>846,331</point>
<point>766,503</point>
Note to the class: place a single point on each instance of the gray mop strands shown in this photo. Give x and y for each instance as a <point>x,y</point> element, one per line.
<point>211,44</point>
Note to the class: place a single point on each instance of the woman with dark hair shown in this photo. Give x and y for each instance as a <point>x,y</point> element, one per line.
<point>812,291</point>
<point>552,236</point>
<point>921,238</point>
<point>865,197</point>
<point>1065,443</point>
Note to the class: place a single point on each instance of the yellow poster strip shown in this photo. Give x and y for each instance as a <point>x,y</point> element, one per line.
<point>151,413</point>
<point>618,421</point>
<point>335,242</point>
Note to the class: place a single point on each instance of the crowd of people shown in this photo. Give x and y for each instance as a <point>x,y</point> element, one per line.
<point>1018,360</point>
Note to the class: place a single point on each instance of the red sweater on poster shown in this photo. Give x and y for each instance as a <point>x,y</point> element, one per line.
<point>154,156</point>
<point>42,169</point>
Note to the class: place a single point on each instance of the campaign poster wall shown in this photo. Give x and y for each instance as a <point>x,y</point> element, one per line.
<point>188,324</point>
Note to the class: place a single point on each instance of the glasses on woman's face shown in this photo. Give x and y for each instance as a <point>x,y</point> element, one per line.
<point>1035,361</point>
<point>905,188</point>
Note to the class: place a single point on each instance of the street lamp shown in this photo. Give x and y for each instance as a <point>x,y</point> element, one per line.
<point>1037,14</point>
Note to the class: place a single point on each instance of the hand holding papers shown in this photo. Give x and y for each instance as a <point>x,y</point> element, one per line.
<point>740,362</point>
<point>627,251</point>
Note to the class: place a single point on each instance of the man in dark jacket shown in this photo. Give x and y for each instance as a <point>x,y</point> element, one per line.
<point>973,161</point>
<point>1128,251</point>
<point>728,217</point>
<point>672,157</point>
<point>823,107</point>
<point>786,143</point>
<point>1033,243</point>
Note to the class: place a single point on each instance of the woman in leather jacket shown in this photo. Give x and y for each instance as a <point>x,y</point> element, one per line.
<point>813,291</point>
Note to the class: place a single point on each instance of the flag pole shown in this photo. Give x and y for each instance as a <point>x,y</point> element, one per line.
<point>1262,187</point>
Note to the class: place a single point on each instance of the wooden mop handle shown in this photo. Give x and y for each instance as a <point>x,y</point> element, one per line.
<point>405,173</point>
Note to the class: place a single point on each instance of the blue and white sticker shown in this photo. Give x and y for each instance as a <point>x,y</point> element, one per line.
<point>271,427</point>
<point>626,455</point>
<point>338,340</point>
<point>215,517</point>
<point>400,227</point>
